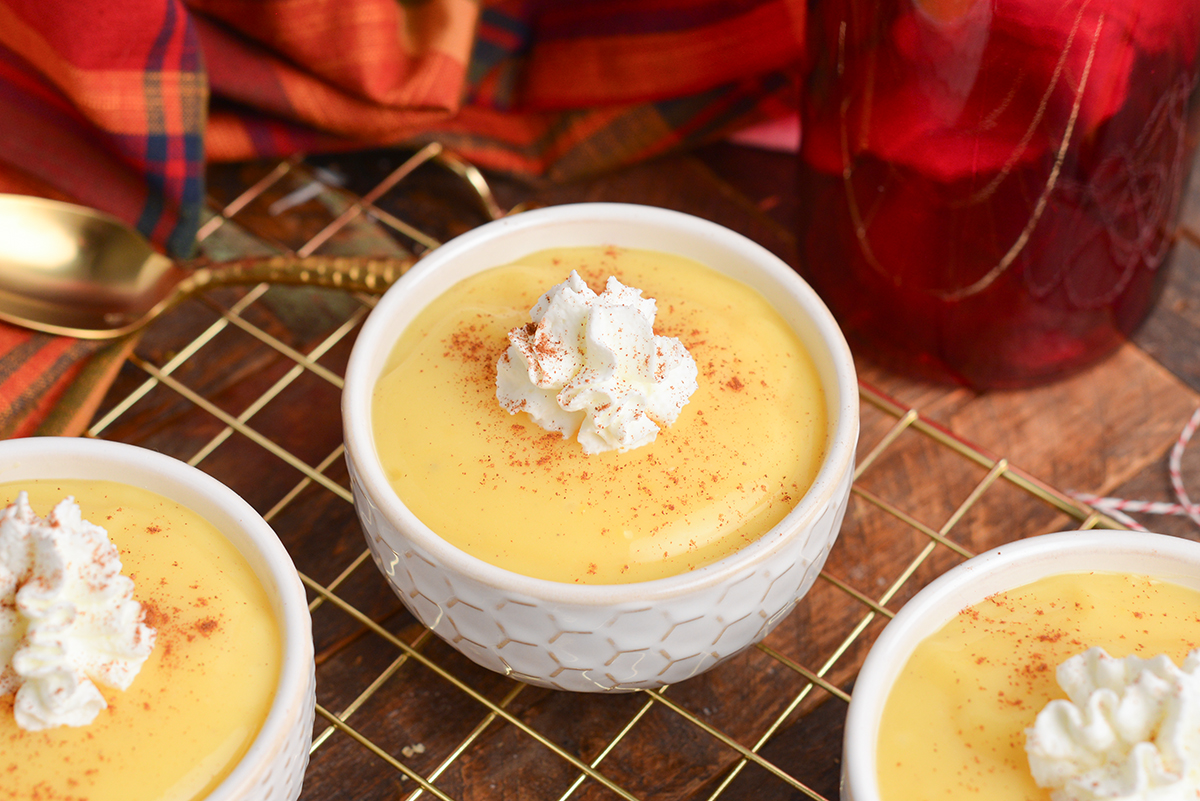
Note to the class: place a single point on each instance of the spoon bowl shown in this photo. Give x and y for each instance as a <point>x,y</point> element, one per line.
<point>74,271</point>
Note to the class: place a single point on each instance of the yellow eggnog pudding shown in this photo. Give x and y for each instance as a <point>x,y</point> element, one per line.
<point>954,725</point>
<point>743,450</point>
<point>202,695</point>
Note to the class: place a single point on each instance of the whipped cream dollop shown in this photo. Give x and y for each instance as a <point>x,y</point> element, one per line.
<point>591,366</point>
<point>1130,730</point>
<point>67,616</point>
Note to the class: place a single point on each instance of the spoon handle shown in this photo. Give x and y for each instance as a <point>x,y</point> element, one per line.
<point>372,274</point>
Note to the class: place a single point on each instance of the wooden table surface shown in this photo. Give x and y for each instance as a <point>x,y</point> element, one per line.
<point>245,384</point>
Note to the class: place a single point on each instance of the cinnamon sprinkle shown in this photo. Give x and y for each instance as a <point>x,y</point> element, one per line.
<point>684,474</point>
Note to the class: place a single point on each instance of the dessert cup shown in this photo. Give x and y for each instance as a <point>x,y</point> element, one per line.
<point>602,637</point>
<point>1004,568</point>
<point>274,765</point>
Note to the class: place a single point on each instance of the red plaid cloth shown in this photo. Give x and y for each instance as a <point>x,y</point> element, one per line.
<point>119,106</point>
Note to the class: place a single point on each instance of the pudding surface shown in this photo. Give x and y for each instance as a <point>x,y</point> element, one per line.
<point>741,454</point>
<point>203,694</point>
<point>955,719</point>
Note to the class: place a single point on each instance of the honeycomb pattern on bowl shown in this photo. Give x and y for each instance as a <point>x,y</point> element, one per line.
<point>622,646</point>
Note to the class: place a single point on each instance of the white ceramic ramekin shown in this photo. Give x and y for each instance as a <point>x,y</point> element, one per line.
<point>601,637</point>
<point>1004,568</point>
<point>274,765</point>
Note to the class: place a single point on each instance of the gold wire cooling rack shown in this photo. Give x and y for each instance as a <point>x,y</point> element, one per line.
<point>246,383</point>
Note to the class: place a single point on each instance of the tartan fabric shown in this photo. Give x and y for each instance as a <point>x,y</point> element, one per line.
<point>557,89</point>
<point>107,108</point>
<point>52,385</point>
<point>120,106</point>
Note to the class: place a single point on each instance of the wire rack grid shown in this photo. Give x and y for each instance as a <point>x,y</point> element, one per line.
<point>400,714</point>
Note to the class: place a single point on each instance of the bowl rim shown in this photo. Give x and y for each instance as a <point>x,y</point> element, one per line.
<point>1004,567</point>
<point>172,476</point>
<point>359,382</point>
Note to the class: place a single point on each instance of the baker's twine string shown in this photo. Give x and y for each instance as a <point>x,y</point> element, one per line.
<point>1117,508</point>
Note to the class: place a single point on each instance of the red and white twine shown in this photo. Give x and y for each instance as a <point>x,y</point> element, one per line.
<point>1118,508</point>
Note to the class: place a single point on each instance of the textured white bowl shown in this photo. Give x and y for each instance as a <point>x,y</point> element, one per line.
<point>1003,568</point>
<point>274,765</point>
<point>601,637</point>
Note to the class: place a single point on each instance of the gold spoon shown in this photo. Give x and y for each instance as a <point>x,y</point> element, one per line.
<point>75,271</point>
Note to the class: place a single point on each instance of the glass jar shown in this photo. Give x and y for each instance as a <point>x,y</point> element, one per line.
<point>989,188</point>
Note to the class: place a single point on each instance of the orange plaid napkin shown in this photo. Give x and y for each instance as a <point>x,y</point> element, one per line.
<point>120,106</point>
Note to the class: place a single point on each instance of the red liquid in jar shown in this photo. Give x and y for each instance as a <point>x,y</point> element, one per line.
<point>989,189</point>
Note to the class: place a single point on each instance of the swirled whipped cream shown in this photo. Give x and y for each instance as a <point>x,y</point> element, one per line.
<point>591,366</point>
<point>67,616</point>
<point>1130,730</point>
